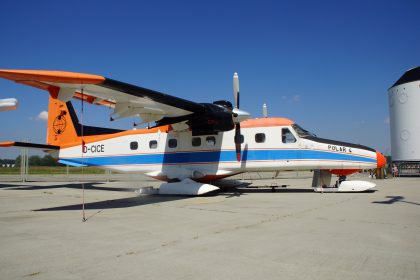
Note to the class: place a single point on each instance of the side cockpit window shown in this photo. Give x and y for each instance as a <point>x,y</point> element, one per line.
<point>287,136</point>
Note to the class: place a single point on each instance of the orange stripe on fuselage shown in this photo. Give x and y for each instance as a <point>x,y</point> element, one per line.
<point>51,76</point>
<point>266,122</point>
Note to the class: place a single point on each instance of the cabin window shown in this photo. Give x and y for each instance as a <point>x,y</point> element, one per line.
<point>260,137</point>
<point>196,141</point>
<point>153,144</point>
<point>134,145</point>
<point>172,143</point>
<point>211,140</point>
<point>287,136</point>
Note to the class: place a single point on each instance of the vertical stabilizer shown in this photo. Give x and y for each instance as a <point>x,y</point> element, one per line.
<point>61,128</point>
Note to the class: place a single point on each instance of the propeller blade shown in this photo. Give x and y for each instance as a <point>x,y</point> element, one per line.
<point>238,141</point>
<point>236,89</point>
<point>238,116</point>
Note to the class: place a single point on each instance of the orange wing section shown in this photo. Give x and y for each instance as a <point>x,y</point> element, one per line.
<point>41,79</point>
<point>51,76</point>
<point>7,144</point>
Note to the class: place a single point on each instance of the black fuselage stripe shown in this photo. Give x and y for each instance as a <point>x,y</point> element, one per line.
<point>338,143</point>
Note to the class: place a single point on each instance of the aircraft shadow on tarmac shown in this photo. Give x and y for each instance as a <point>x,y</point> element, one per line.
<point>242,187</point>
<point>227,191</point>
<point>395,199</point>
<point>116,203</point>
<point>87,186</point>
<point>153,199</point>
<point>99,205</point>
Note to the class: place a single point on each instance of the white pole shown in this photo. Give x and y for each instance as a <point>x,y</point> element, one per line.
<point>265,110</point>
<point>27,164</point>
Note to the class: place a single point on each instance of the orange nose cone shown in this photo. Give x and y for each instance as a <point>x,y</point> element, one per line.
<point>380,160</point>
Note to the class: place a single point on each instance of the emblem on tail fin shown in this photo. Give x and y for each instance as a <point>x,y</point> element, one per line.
<point>59,124</point>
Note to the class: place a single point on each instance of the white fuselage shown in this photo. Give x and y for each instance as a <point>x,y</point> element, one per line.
<point>168,155</point>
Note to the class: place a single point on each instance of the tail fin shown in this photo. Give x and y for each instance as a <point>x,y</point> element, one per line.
<point>61,128</point>
<point>64,127</point>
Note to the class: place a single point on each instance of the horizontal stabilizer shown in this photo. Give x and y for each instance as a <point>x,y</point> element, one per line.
<point>29,145</point>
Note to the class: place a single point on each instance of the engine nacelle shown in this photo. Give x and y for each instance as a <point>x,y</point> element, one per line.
<point>216,119</point>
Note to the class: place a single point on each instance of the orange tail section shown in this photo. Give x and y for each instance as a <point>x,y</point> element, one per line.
<point>61,129</point>
<point>64,129</point>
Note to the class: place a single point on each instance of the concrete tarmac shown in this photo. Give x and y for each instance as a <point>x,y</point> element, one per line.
<point>293,233</point>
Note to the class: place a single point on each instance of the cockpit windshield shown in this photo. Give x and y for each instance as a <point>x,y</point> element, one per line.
<point>302,132</point>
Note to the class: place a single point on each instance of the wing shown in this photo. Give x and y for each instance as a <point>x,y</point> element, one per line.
<point>129,100</point>
<point>126,100</point>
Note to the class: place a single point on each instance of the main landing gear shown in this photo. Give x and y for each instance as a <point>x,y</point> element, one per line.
<point>321,182</point>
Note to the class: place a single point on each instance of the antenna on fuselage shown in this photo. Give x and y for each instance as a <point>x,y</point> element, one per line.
<point>265,110</point>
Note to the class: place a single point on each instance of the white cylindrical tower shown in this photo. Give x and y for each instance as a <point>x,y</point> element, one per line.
<point>404,113</point>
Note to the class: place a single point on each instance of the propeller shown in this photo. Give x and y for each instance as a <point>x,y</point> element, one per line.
<point>237,114</point>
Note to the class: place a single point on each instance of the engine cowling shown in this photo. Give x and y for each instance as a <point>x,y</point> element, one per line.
<point>217,118</point>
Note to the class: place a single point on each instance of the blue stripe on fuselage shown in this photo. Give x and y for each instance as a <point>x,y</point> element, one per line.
<point>215,157</point>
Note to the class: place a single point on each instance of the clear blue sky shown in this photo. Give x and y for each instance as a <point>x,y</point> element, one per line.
<point>325,64</point>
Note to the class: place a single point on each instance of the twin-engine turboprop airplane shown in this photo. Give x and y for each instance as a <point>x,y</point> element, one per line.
<point>191,143</point>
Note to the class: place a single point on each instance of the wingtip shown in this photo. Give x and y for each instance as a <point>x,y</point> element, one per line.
<point>51,76</point>
<point>7,144</point>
